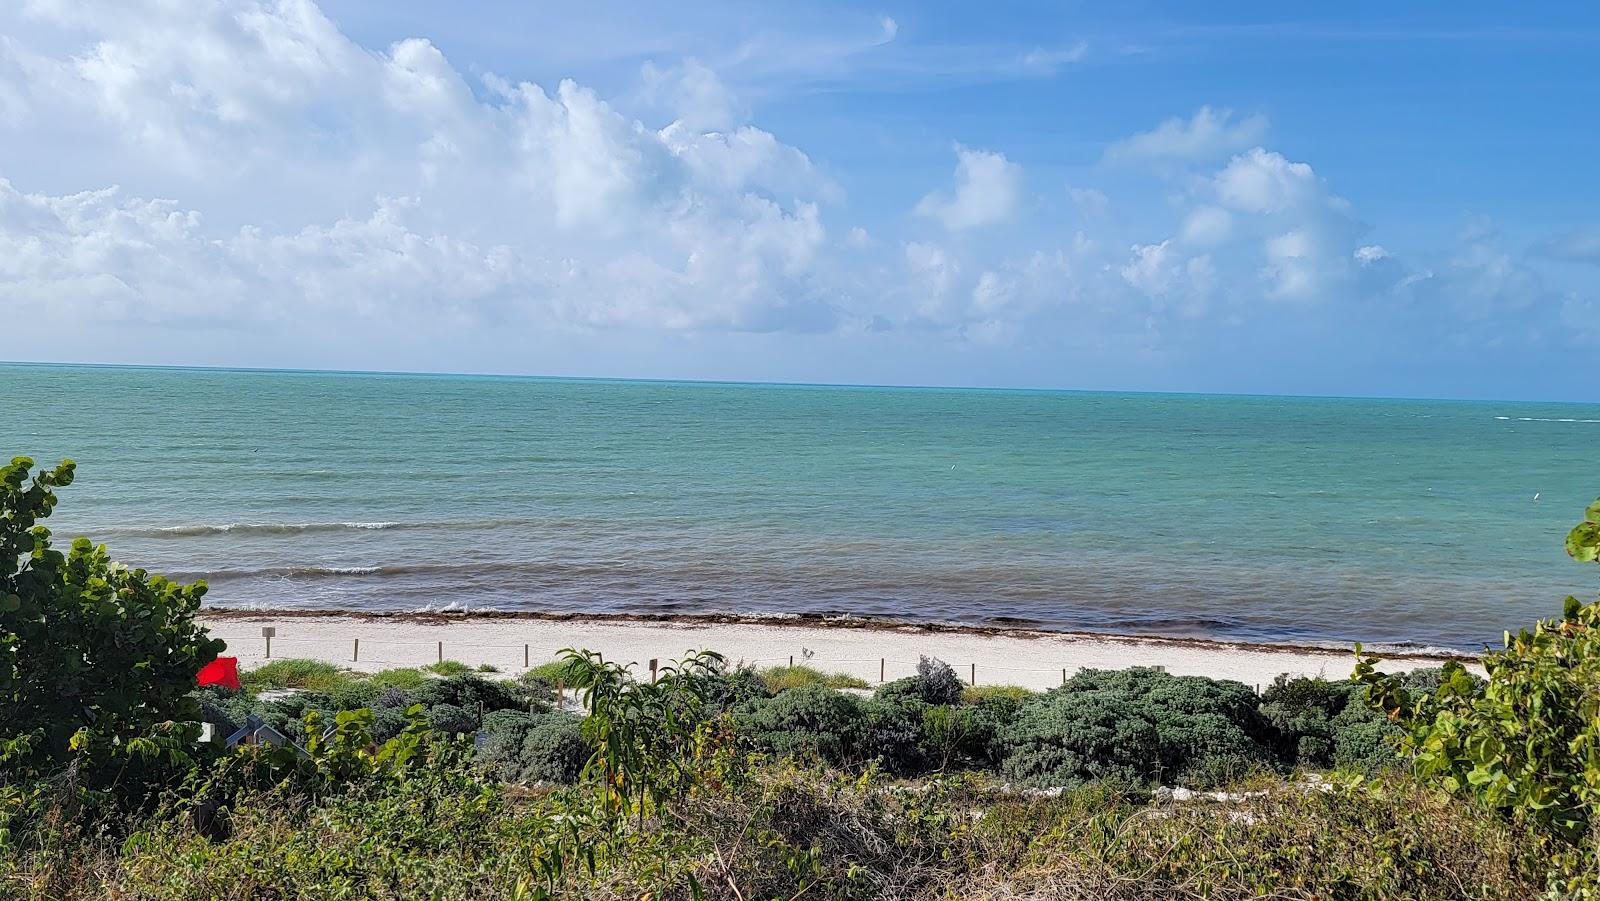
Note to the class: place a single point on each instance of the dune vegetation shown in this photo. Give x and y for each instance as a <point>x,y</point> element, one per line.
<point>581,779</point>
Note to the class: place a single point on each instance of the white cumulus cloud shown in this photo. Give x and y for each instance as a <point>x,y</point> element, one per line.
<point>1208,135</point>
<point>244,168</point>
<point>988,191</point>
<point>385,184</point>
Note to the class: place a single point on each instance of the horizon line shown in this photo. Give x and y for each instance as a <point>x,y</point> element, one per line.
<point>423,373</point>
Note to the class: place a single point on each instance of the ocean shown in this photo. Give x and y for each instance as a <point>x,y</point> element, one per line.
<point>1271,519</point>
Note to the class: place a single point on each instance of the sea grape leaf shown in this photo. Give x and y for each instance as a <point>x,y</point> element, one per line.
<point>1583,542</point>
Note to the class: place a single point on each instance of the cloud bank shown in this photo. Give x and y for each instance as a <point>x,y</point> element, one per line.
<point>244,168</point>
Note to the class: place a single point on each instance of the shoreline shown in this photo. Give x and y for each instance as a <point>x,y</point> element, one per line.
<point>871,649</point>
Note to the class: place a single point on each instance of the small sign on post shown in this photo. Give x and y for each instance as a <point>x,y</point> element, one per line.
<point>267,632</point>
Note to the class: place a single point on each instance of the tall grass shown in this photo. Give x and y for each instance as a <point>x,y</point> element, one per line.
<point>298,673</point>
<point>783,678</point>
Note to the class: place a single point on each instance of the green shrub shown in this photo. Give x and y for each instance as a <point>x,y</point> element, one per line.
<point>899,690</point>
<point>354,694</point>
<point>934,683</point>
<point>440,832</point>
<point>545,747</point>
<point>1364,741</point>
<point>224,708</point>
<point>1137,725</point>
<point>783,678</point>
<point>469,692</point>
<point>990,717</point>
<point>553,750</point>
<point>891,733</point>
<point>1208,749</point>
<point>1070,738</point>
<point>450,719</point>
<point>810,719</point>
<point>499,741</point>
<point>287,714</point>
<point>448,668</point>
<point>397,698</point>
<point>728,691</point>
<point>387,723</point>
<point>1302,711</point>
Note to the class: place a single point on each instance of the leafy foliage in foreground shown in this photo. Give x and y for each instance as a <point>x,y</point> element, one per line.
<point>96,661</point>
<point>670,806</point>
<point>431,825</point>
<point>1527,741</point>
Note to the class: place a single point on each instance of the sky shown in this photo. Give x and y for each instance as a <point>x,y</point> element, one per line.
<point>1346,199</point>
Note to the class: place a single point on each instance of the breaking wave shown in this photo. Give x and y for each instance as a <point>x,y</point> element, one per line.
<point>256,528</point>
<point>1542,419</point>
<point>296,528</point>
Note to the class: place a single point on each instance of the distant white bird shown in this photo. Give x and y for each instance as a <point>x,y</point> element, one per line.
<point>1536,494</point>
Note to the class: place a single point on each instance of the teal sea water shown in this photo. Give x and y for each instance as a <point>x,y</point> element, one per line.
<point>1259,518</point>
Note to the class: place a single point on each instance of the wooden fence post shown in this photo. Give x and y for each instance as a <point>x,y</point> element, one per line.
<point>974,674</point>
<point>881,666</point>
<point>524,656</point>
<point>355,650</point>
<point>441,652</point>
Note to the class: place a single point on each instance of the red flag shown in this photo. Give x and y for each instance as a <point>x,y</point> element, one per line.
<point>223,671</point>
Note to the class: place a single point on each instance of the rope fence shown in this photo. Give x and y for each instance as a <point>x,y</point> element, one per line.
<point>365,653</point>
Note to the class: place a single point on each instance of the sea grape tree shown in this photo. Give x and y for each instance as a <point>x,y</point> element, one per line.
<point>97,660</point>
<point>1583,542</point>
<point>1526,742</point>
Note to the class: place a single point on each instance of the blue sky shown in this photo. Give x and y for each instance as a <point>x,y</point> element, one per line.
<point>1368,199</point>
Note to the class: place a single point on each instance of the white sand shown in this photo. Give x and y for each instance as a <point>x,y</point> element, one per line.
<point>1031,659</point>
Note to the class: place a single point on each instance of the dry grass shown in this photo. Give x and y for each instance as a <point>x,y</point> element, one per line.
<point>772,831</point>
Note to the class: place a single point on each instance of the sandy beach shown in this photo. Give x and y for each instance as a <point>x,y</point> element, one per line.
<point>871,651</point>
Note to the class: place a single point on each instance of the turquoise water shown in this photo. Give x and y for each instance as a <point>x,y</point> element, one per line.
<point>1261,518</point>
